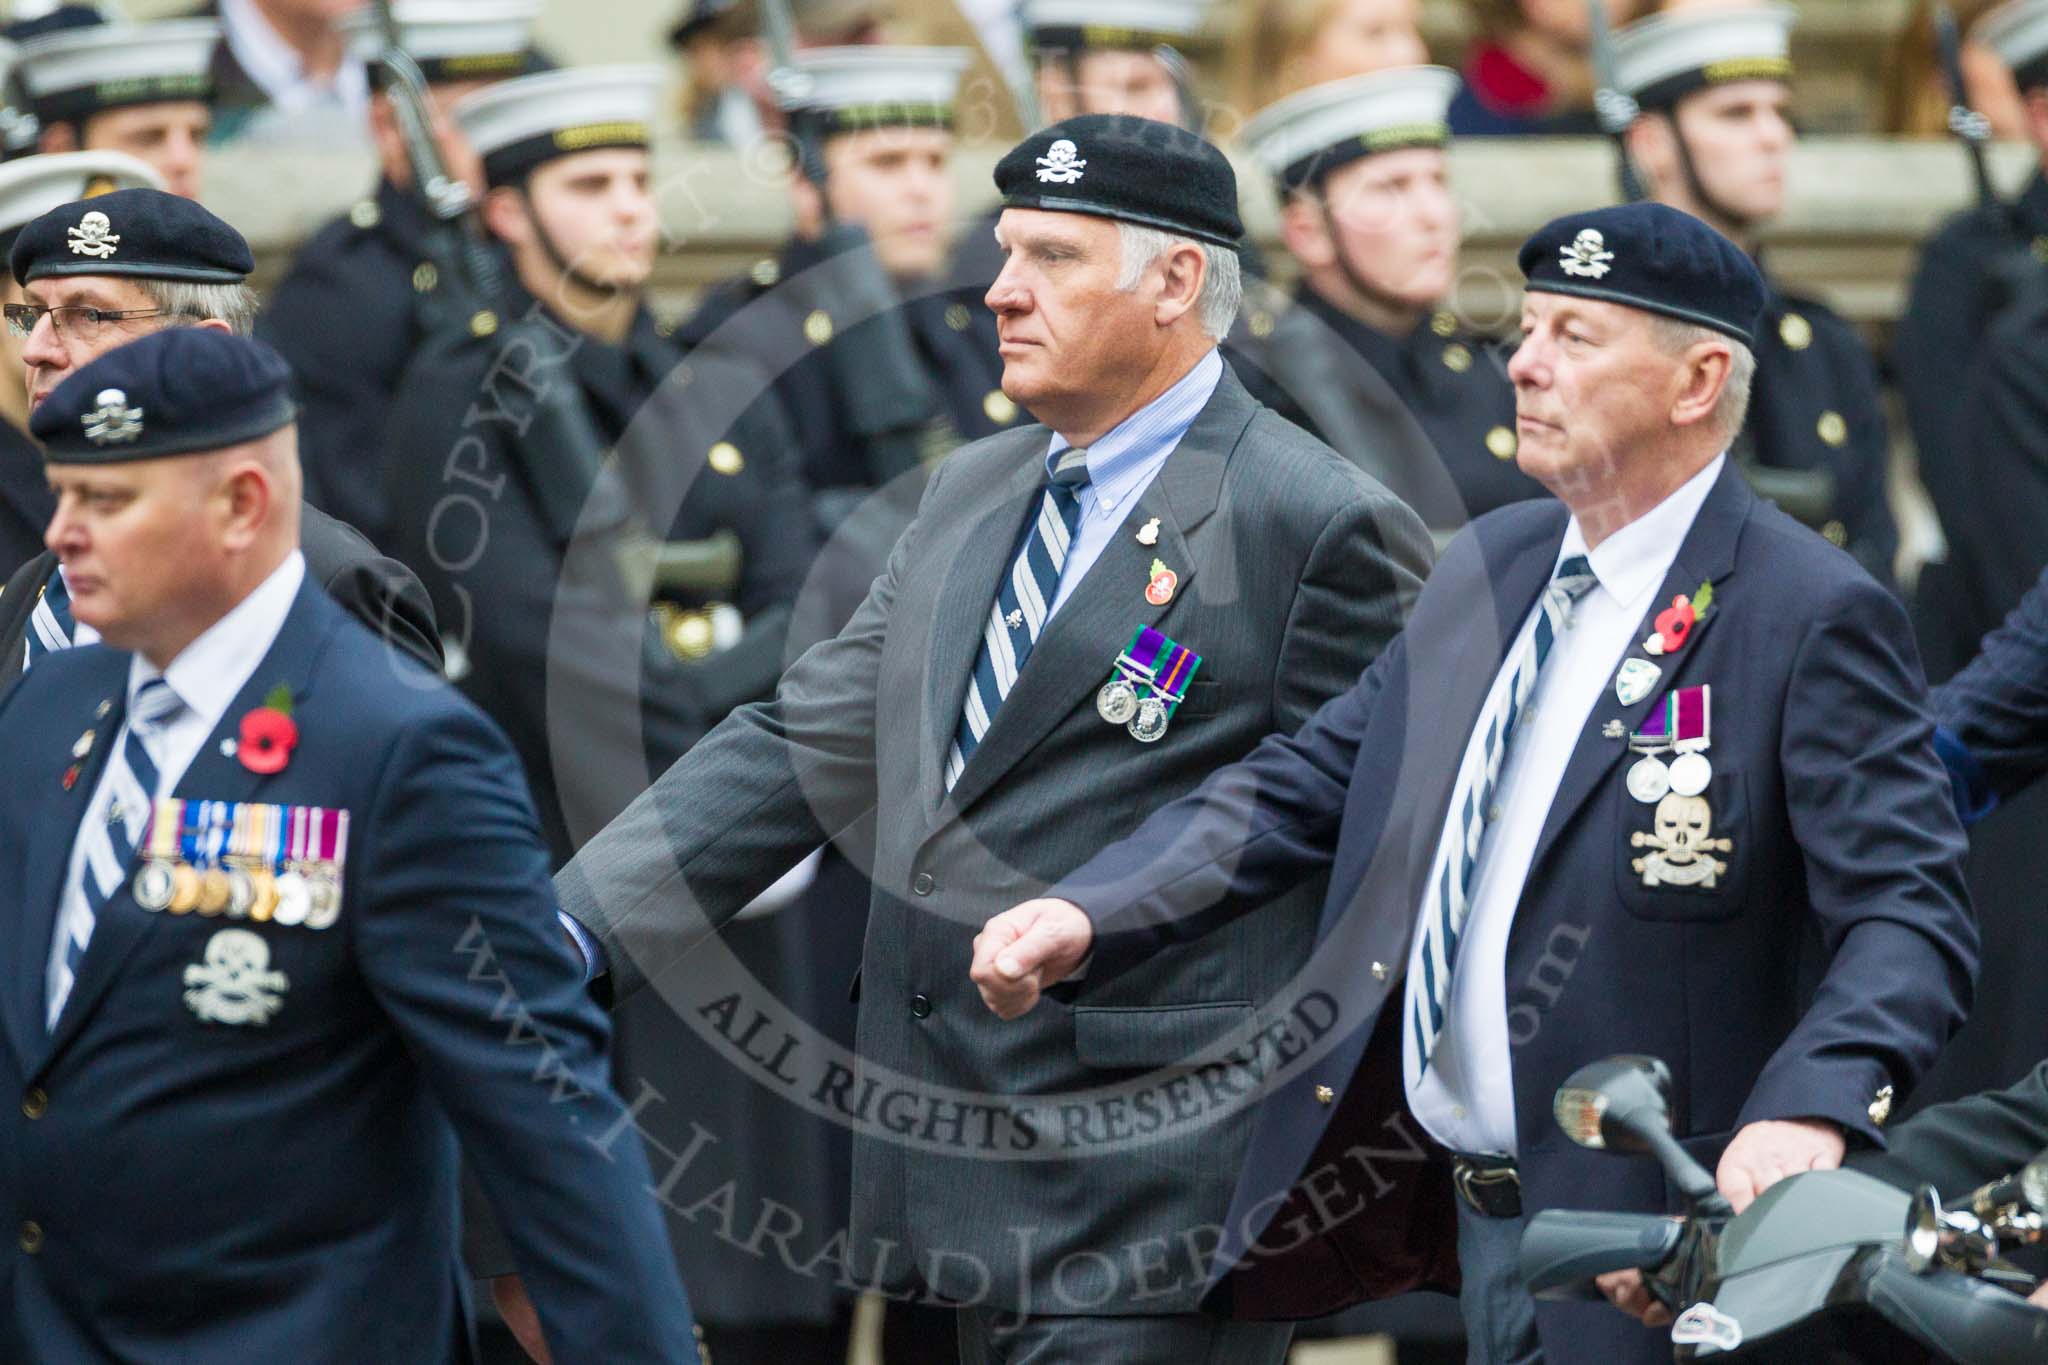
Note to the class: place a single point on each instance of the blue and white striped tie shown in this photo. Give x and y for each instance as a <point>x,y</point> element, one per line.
<point>110,844</point>
<point>1457,856</point>
<point>51,626</point>
<point>1021,606</point>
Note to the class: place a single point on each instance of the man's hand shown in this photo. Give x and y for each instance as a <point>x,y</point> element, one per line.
<point>1026,949</point>
<point>2039,1298</point>
<point>1765,1152</point>
<point>508,1292</point>
<point>1625,1290</point>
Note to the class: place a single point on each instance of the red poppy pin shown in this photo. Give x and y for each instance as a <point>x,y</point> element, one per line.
<point>268,734</point>
<point>1674,624</point>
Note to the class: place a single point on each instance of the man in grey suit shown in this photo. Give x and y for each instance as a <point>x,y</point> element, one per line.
<point>1078,625</point>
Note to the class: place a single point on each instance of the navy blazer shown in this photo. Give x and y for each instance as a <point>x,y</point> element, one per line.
<point>1832,959</point>
<point>206,1191</point>
<point>1994,714</point>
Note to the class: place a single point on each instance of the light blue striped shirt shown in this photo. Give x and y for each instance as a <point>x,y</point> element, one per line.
<point>1122,465</point>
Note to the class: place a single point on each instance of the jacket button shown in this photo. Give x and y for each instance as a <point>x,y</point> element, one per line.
<point>31,1239</point>
<point>923,884</point>
<point>35,1103</point>
<point>920,1005</point>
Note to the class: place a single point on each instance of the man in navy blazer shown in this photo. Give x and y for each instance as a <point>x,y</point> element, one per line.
<point>1649,770</point>
<point>279,933</point>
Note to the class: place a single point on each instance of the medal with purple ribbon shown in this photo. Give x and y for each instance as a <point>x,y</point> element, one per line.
<point>1149,682</point>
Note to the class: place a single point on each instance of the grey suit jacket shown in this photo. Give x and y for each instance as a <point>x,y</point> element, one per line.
<point>1071,1162</point>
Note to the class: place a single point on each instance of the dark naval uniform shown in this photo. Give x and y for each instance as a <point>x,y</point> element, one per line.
<point>25,501</point>
<point>1816,405</point>
<point>787,337</point>
<point>345,315</point>
<point>506,590</point>
<point>1450,387</point>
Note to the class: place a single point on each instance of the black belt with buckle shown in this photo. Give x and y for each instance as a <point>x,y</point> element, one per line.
<point>1490,1184</point>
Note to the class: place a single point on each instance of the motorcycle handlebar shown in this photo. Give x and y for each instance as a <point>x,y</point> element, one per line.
<point>1563,1250</point>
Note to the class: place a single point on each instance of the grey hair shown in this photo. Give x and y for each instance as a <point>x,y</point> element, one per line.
<point>1222,277</point>
<point>1677,336</point>
<point>187,303</point>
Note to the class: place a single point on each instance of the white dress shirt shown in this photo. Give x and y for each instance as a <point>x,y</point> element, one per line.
<point>1466,1099</point>
<point>207,675</point>
<point>276,68</point>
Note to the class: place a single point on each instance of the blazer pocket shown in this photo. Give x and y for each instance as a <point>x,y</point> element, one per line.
<point>1684,857</point>
<point>1204,698</point>
<point>1132,1037</point>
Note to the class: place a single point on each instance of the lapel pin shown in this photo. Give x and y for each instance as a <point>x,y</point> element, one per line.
<point>1015,618</point>
<point>1148,534</point>
<point>82,746</point>
<point>1674,624</point>
<point>1614,729</point>
<point>1635,681</point>
<point>227,748</point>
<point>1160,590</point>
<point>102,709</point>
<point>71,777</point>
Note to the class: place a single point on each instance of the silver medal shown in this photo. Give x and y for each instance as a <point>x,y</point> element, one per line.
<point>1690,774</point>
<point>1117,702</point>
<point>1649,780</point>
<point>154,886</point>
<point>294,899</point>
<point>1150,725</point>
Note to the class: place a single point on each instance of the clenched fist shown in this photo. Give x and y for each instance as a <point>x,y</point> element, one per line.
<point>1027,949</point>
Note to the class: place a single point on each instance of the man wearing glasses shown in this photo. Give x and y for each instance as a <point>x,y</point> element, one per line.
<point>101,272</point>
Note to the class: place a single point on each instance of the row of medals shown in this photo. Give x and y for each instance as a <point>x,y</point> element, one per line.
<point>307,893</point>
<point>1651,779</point>
<point>1119,704</point>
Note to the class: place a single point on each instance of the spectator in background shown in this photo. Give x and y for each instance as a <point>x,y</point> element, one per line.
<point>1279,47</point>
<point>1528,71</point>
<point>143,89</point>
<point>283,71</point>
<point>726,96</point>
<point>1916,93</point>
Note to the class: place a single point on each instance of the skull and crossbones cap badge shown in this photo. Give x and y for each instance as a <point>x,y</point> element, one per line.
<point>1133,170</point>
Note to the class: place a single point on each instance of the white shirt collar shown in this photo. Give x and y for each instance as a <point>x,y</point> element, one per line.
<point>1128,455</point>
<point>211,672</point>
<point>274,64</point>
<point>1632,561</point>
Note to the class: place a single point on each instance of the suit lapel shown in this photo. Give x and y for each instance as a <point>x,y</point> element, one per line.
<point>1077,648</point>
<point>1707,555</point>
<point>48,859</point>
<point>213,775</point>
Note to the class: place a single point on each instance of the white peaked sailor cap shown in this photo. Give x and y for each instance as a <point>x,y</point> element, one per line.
<point>1301,139</point>
<point>519,124</point>
<point>1660,60</point>
<point>74,73</point>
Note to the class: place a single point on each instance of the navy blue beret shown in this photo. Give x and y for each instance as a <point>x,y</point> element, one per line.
<point>1135,170</point>
<point>1653,257</point>
<point>180,391</point>
<point>141,232</point>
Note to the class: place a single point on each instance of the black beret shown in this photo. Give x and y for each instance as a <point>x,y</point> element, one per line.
<point>180,391</point>
<point>1135,170</point>
<point>143,232</point>
<point>1653,257</point>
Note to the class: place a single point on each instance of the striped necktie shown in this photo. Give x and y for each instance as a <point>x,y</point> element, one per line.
<point>1457,855</point>
<point>110,844</point>
<point>1021,606</point>
<point>51,626</point>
